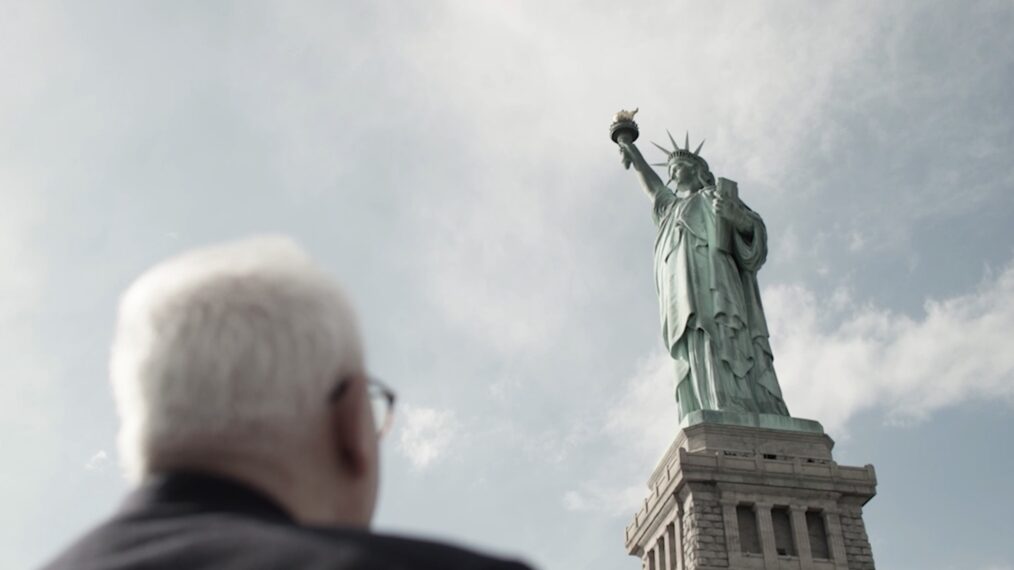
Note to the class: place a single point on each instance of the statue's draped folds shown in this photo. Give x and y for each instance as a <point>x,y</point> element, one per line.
<point>713,322</point>
<point>709,248</point>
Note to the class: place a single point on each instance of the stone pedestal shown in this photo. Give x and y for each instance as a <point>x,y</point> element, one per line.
<point>739,495</point>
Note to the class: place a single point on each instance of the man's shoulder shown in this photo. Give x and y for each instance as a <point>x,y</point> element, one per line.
<point>350,548</point>
<point>394,551</point>
<point>241,542</point>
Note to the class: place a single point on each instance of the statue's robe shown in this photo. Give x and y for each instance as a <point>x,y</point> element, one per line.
<point>713,322</point>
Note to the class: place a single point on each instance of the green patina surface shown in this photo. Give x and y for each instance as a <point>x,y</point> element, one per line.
<point>767,421</point>
<point>709,247</point>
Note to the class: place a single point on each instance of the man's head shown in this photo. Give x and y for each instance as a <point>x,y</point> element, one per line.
<point>225,359</point>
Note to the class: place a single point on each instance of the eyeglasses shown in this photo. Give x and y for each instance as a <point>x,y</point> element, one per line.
<point>382,400</point>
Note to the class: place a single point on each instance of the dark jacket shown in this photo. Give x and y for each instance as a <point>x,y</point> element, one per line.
<point>195,522</point>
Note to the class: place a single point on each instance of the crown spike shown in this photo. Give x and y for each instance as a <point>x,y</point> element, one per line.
<point>675,145</point>
<point>686,142</point>
<point>662,148</point>
<point>696,152</point>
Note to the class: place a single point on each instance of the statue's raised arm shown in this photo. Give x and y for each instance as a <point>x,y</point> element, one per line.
<point>624,132</point>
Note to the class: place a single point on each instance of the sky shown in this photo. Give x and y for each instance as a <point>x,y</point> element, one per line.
<point>449,163</point>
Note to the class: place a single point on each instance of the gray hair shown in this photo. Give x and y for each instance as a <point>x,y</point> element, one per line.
<point>234,345</point>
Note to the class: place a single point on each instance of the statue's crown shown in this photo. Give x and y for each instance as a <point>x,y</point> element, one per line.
<point>681,153</point>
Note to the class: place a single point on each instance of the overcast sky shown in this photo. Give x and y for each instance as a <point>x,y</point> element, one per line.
<point>449,162</point>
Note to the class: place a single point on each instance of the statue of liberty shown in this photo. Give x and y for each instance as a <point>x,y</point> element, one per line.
<point>708,250</point>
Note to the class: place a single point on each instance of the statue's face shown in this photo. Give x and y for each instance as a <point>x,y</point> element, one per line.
<point>683,172</point>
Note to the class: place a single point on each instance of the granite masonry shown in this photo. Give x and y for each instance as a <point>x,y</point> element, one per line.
<point>752,497</point>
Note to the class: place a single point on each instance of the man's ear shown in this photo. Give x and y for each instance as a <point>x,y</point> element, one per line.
<point>351,428</point>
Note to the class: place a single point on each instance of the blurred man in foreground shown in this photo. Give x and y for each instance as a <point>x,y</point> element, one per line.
<point>246,420</point>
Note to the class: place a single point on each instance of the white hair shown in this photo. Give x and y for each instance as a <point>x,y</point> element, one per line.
<point>234,345</point>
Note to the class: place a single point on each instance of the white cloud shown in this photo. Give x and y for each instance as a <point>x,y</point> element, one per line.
<point>645,418</point>
<point>857,241</point>
<point>500,239</point>
<point>498,268</point>
<point>593,497</point>
<point>503,387</point>
<point>788,247</point>
<point>873,358</point>
<point>637,429</point>
<point>836,358</point>
<point>556,445</point>
<point>501,263</point>
<point>426,434</point>
<point>98,461</point>
<point>21,300</point>
<point>489,127</point>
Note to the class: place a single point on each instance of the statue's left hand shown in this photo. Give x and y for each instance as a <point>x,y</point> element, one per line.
<point>732,212</point>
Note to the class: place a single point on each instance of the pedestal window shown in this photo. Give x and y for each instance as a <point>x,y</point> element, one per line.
<point>782,525</point>
<point>817,532</point>
<point>749,537</point>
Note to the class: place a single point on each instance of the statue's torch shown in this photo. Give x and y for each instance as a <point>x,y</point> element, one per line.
<point>624,129</point>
